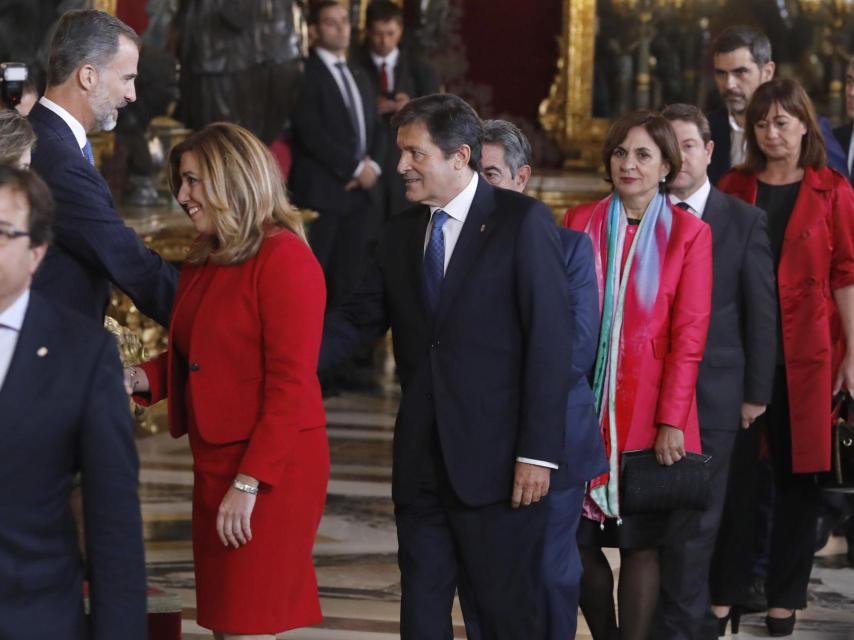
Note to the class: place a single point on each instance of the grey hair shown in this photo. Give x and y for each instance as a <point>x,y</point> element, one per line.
<point>517,149</point>
<point>84,37</point>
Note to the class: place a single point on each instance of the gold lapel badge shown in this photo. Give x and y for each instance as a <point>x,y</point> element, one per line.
<point>41,352</point>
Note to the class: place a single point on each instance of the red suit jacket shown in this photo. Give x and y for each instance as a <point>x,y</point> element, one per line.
<point>660,355</point>
<point>817,258</point>
<point>252,369</point>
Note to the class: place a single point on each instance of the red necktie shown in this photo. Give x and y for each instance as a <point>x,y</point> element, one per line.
<point>383,79</point>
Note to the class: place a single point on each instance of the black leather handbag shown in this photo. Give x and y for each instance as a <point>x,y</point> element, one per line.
<point>649,487</point>
<point>842,444</point>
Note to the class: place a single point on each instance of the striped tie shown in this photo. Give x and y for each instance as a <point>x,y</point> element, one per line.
<point>87,153</point>
<point>434,261</point>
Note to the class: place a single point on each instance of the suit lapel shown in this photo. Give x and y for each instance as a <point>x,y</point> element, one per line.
<point>30,369</point>
<point>415,255</point>
<point>471,239</point>
<point>331,87</point>
<point>715,216</point>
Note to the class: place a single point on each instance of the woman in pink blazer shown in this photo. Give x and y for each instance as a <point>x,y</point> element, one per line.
<point>654,267</point>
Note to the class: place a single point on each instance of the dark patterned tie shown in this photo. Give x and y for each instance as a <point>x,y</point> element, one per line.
<point>87,153</point>
<point>384,79</point>
<point>434,261</point>
<point>351,107</point>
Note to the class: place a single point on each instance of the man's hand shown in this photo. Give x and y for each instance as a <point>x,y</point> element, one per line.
<point>386,105</point>
<point>845,375</point>
<point>367,178</point>
<point>669,445</point>
<point>749,413</point>
<point>530,483</point>
<point>400,99</point>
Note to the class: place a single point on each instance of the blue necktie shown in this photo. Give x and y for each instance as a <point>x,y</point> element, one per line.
<point>87,153</point>
<point>434,261</point>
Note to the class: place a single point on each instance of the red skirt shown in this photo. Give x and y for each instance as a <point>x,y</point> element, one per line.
<point>268,585</point>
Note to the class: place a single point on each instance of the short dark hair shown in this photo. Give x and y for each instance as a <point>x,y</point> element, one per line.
<point>40,218</point>
<point>319,7</point>
<point>84,37</point>
<point>658,129</point>
<point>450,121</point>
<point>792,98</point>
<point>689,113</point>
<point>517,149</point>
<point>741,36</point>
<point>383,11</point>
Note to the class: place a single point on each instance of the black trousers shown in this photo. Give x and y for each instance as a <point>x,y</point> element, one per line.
<point>684,603</point>
<point>796,502</point>
<point>499,548</point>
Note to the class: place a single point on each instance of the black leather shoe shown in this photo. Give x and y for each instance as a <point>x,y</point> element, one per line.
<point>779,627</point>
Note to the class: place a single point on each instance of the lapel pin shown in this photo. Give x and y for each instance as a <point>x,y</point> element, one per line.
<point>482,228</point>
<point>41,352</point>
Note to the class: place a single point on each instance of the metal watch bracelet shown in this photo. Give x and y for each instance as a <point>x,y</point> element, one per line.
<point>245,488</point>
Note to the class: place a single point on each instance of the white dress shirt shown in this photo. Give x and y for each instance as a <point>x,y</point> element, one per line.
<point>11,321</point>
<point>851,155</point>
<point>458,210</point>
<point>737,150</point>
<point>72,122</point>
<point>697,200</point>
<point>390,62</point>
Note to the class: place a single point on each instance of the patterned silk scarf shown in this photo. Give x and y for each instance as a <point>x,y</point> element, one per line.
<point>630,295</point>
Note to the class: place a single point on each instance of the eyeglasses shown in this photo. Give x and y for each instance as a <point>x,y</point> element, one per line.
<point>7,234</point>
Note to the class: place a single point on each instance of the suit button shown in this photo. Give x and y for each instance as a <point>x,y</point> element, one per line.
<point>805,235</point>
<point>810,281</point>
<point>194,366</point>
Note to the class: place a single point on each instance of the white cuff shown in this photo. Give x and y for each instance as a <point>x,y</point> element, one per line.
<point>539,463</point>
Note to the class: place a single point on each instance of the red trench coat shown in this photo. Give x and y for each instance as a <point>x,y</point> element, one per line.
<point>817,258</point>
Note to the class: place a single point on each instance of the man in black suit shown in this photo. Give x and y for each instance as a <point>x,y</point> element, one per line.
<point>742,61</point>
<point>63,410</point>
<point>397,75</point>
<point>842,133</point>
<point>91,70</point>
<point>736,374</point>
<point>472,283</point>
<point>336,147</point>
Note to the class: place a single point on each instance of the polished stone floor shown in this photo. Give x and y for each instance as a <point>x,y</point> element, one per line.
<point>356,546</point>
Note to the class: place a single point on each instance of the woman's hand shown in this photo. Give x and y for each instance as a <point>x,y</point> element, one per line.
<point>669,445</point>
<point>235,511</point>
<point>136,381</point>
<point>845,375</point>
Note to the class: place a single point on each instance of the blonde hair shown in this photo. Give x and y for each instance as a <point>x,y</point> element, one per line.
<point>244,189</point>
<point>16,136</point>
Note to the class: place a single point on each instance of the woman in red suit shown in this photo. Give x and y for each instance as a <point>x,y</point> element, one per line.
<point>240,374</point>
<point>654,267</point>
<point>810,212</point>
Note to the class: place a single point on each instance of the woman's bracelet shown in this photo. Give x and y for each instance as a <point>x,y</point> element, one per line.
<point>245,488</point>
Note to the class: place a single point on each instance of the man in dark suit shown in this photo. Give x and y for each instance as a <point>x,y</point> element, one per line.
<point>336,147</point>
<point>63,410</point>
<point>742,61</point>
<point>91,70</point>
<point>397,75</point>
<point>506,164</point>
<point>842,133</point>
<point>471,282</point>
<point>736,374</point>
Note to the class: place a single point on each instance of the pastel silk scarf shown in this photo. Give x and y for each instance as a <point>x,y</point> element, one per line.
<point>630,295</point>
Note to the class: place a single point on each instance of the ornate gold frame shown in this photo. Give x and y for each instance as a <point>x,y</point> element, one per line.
<point>567,113</point>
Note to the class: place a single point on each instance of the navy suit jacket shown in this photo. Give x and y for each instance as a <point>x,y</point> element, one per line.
<point>719,125</point>
<point>843,136</point>
<point>92,245</point>
<point>585,450</point>
<point>739,359</point>
<point>490,370</point>
<point>63,410</point>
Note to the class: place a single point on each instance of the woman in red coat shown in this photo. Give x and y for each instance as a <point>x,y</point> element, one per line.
<point>654,267</point>
<point>811,227</point>
<point>240,374</point>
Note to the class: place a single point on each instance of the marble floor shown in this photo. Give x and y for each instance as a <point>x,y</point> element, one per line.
<point>356,546</point>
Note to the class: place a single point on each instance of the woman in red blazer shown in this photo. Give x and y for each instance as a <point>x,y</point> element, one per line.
<point>654,267</point>
<point>811,227</point>
<point>240,374</point>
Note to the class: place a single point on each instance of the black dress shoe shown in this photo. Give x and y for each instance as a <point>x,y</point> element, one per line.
<point>779,627</point>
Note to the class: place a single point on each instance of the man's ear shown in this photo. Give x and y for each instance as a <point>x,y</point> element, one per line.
<point>462,157</point>
<point>87,77</point>
<point>523,174</point>
<point>768,71</point>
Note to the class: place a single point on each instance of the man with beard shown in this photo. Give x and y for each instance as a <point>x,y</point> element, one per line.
<point>742,61</point>
<point>92,65</point>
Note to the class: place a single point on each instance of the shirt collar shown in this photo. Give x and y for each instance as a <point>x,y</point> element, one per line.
<point>13,316</point>
<point>390,59</point>
<point>697,200</point>
<point>329,58</point>
<point>458,207</point>
<point>73,123</point>
<point>733,124</point>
